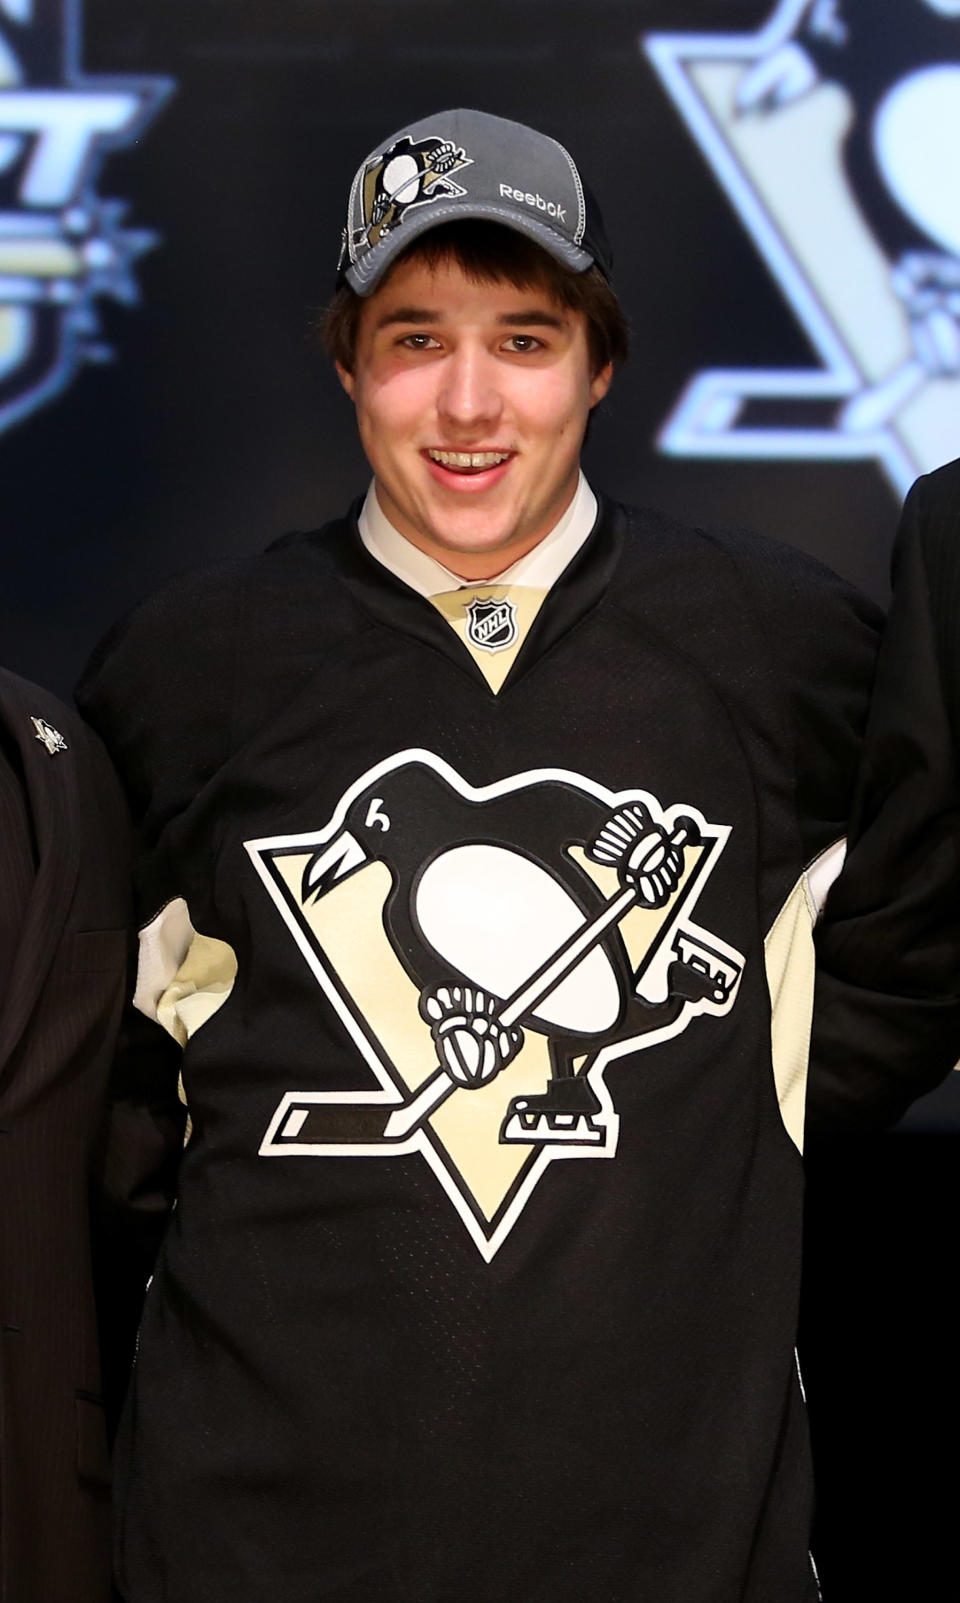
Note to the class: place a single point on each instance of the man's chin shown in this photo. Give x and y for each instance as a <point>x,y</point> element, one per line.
<point>470,542</point>
<point>470,532</point>
<point>450,543</point>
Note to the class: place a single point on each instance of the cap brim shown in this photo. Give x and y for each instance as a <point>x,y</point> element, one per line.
<point>365,275</point>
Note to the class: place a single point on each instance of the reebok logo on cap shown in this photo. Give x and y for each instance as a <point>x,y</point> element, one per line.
<point>548,206</point>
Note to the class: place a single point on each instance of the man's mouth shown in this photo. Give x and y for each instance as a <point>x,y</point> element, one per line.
<point>468,462</point>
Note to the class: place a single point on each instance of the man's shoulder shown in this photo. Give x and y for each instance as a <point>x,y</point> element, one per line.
<point>931,517</point>
<point>177,668</point>
<point>773,573</point>
<point>198,612</point>
<point>281,565</point>
<point>941,487</point>
<point>59,750</point>
<point>17,693</point>
<point>31,714</point>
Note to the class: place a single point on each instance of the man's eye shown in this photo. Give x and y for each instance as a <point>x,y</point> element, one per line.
<point>419,342</point>
<point>523,343</point>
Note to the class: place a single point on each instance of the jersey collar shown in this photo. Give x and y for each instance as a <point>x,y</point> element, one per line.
<point>540,568</point>
<point>390,601</point>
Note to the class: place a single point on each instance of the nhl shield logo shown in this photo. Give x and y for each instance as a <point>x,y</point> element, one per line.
<point>489,952</point>
<point>62,246</point>
<point>833,130</point>
<point>491,624</point>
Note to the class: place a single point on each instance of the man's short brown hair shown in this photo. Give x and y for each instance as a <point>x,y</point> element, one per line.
<point>488,253</point>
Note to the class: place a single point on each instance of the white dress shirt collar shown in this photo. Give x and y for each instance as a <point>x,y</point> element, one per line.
<point>540,568</point>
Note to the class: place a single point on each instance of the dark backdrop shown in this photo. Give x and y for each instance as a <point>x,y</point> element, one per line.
<point>218,426</point>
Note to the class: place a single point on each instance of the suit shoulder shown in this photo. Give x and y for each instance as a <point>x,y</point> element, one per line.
<point>931,520</point>
<point>34,713</point>
<point>941,487</point>
<point>18,694</point>
<point>44,727</point>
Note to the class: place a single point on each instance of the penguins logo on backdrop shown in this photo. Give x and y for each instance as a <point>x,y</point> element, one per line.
<point>61,245</point>
<point>834,131</point>
<point>490,953</point>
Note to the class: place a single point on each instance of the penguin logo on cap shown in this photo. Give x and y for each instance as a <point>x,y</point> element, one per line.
<point>413,172</point>
<point>490,952</point>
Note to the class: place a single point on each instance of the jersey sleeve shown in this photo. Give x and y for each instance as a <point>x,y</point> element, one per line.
<point>157,690</point>
<point>887,1019</point>
<point>822,635</point>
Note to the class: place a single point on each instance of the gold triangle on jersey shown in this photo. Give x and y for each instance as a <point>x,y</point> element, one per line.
<point>501,614</point>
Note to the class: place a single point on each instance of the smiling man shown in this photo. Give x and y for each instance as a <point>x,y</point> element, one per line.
<point>483,834</point>
<point>472,395</point>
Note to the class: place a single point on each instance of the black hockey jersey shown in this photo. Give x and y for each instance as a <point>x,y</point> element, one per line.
<point>482,1278</point>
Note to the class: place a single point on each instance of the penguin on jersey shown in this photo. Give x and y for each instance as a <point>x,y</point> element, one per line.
<point>502,929</point>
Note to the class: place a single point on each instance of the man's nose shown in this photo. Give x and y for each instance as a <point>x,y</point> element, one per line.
<point>469,394</point>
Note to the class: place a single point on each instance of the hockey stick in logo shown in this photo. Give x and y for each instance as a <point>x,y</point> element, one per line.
<point>357,1124</point>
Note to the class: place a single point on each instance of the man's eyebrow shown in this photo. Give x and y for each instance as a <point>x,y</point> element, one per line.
<point>529,317</point>
<point>408,314</point>
<point>533,317</point>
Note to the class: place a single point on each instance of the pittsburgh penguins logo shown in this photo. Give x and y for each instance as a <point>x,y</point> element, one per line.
<point>833,130</point>
<point>491,951</point>
<point>898,155</point>
<point>492,625</point>
<point>411,173</point>
<point>48,736</point>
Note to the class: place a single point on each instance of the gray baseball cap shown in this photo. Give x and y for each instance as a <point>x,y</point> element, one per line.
<point>459,164</point>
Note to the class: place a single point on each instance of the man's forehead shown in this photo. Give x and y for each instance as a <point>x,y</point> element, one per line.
<point>416,292</point>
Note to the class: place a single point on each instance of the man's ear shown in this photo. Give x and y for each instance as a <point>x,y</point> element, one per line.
<point>600,383</point>
<point>346,378</point>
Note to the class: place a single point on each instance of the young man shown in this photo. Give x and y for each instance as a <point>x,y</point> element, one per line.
<point>476,841</point>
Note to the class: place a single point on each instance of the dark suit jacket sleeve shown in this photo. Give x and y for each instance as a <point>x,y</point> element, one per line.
<point>64,872</point>
<point>17,858</point>
<point>887,1019</point>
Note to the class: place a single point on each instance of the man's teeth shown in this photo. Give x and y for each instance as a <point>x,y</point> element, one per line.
<point>468,459</point>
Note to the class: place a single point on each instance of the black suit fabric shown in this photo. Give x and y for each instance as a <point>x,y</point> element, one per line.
<point>63,903</point>
<point>887,1022</point>
<point>17,857</point>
